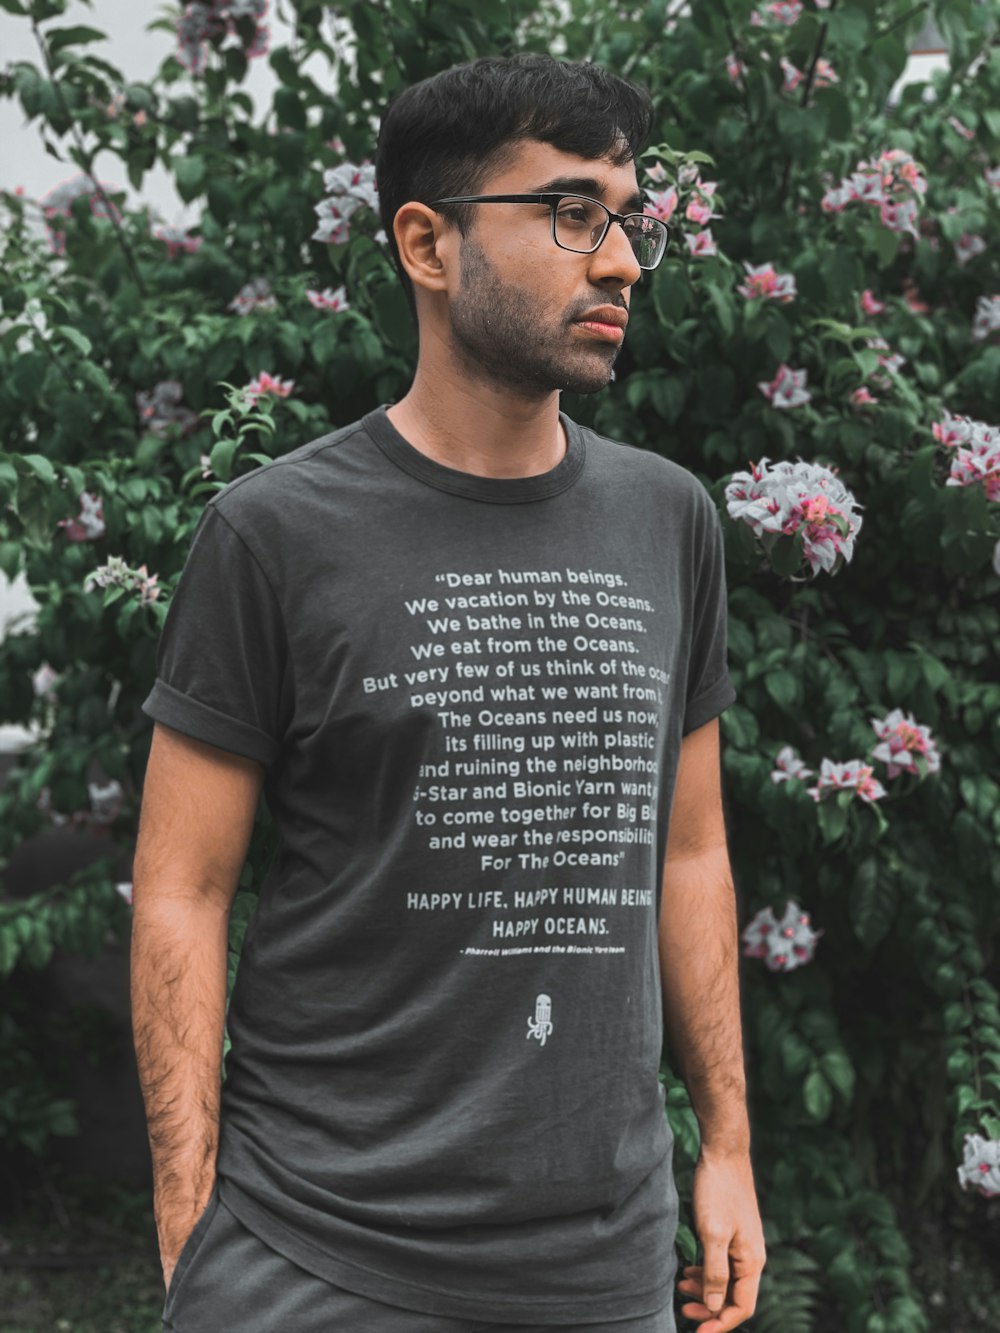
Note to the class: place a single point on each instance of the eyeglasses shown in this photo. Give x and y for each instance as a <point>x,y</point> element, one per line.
<point>581,224</point>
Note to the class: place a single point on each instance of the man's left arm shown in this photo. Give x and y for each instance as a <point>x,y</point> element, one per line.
<point>699,954</point>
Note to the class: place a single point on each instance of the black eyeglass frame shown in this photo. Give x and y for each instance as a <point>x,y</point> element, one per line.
<point>554,200</point>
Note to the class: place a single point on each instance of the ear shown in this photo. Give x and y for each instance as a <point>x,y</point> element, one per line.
<point>426,245</point>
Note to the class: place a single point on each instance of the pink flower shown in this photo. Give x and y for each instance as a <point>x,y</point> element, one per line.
<point>265,383</point>
<point>89,523</point>
<point>662,205</point>
<point>793,76</point>
<point>854,775</point>
<point>735,68</point>
<point>987,317</point>
<point>784,944</point>
<point>763,281</point>
<point>961,129</point>
<point>862,397</point>
<point>968,246</point>
<point>787,389</point>
<point>981,1166</point>
<point>789,765</point>
<point>901,740</point>
<point>824,74</point>
<point>700,243</point>
<point>328,299</point>
<point>699,207</point>
<point>870,305</point>
<point>785,11</point>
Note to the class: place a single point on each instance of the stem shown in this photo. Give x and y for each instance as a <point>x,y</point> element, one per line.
<point>112,212</point>
<point>807,86</point>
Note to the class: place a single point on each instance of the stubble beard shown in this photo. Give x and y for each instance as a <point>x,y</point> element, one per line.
<point>497,338</point>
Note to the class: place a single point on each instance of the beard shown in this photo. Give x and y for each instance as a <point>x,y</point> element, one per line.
<point>499,338</point>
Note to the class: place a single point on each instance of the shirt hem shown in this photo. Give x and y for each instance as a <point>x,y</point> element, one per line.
<point>423,1299</point>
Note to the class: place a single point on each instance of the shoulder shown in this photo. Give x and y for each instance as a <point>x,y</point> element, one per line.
<point>275,488</point>
<point>670,481</point>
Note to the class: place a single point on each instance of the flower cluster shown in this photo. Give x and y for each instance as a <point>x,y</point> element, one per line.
<point>976,448</point>
<point>699,206</point>
<point>904,746</point>
<point>267,384</point>
<point>892,183</point>
<point>176,239</point>
<point>89,523</point>
<point>802,500</point>
<point>987,317</point>
<point>980,1168</point>
<point>329,298</point>
<point>116,573</point>
<point>783,944</point>
<point>787,389</point>
<point>348,188</point>
<point>205,21</point>
<point>254,295</point>
<point>764,281</point>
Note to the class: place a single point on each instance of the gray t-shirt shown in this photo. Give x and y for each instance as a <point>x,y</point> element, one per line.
<point>469,694</point>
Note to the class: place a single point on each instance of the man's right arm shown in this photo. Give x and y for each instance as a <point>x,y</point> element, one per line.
<point>198,809</point>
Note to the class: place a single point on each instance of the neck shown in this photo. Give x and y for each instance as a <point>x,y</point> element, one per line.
<point>480,429</point>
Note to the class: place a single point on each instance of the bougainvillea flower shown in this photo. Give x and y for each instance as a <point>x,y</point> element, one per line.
<point>955,430</point>
<point>268,384</point>
<point>662,205</point>
<point>764,281</point>
<point>854,775</point>
<point>862,397</point>
<point>968,246</point>
<point>735,68</point>
<point>870,305</point>
<point>787,389</point>
<point>348,188</point>
<point>253,295</point>
<point>89,523</point>
<point>794,498</point>
<point>784,944</point>
<point>205,21</point>
<point>824,75</point>
<point>981,1166</point>
<point>700,242</point>
<point>161,408</point>
<point>901,740</point>
<point>43,681</point>
<point>116,573</point>
<point>789,765</point>
<point>792,76</point>
<point>176,239</point>
<point>785,11</point>
<point>979,465</point>
<point>987,317</point>
<point>328,298</point>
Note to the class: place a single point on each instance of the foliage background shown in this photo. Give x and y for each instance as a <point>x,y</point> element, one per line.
<point>869,1064</point>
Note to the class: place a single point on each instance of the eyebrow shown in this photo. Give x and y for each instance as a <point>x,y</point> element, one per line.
<point>587,185</point>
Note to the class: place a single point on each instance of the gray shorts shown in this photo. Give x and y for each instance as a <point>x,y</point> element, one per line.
<point>228,1281</point>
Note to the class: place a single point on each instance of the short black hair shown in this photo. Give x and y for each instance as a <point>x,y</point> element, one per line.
<point>449,133</point>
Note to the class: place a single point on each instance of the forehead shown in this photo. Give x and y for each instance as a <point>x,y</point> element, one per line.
<point>536,167</point>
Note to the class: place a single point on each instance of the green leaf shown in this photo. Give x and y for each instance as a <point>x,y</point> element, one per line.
<point>817,1095</point>
<point>40,466</point>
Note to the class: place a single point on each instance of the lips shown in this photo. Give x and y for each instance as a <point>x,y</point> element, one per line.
<point>606,314</point>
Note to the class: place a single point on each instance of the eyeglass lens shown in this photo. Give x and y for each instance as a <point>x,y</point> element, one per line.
<point>580,223</point>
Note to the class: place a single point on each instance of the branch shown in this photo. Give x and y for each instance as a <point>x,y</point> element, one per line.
<point>88,159</point>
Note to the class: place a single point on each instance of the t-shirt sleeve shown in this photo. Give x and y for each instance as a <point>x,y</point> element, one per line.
<point>710,689</point>
<point>222,663</point>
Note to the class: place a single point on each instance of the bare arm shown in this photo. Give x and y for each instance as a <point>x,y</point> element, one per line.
<point>699,950</point>
<point>198,808</point>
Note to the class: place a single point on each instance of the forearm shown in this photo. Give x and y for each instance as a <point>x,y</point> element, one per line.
<point>178,985</point>
<point>698,943</point>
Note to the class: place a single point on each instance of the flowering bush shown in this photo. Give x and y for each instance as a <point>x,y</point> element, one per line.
<point>822,344</point>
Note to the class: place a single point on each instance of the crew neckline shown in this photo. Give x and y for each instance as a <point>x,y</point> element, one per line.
<point>501,490</point>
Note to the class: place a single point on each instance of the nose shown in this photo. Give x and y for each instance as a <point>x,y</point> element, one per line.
<point>615,256</point>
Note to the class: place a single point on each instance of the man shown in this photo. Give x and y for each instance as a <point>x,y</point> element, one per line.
<point>474,656</point>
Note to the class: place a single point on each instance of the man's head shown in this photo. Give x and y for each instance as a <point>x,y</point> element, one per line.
<point>485,281</point>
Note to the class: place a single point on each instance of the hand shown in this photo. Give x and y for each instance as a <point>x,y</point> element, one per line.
<point>727,1220</point>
